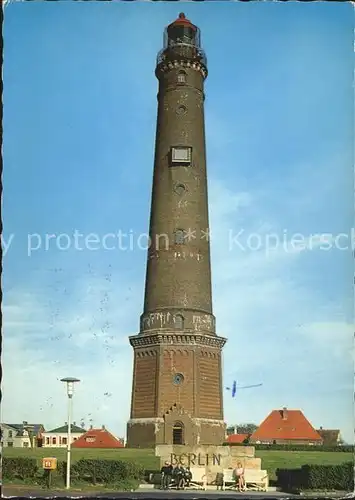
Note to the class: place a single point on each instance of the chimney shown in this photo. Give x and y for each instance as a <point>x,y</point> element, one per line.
<point>103,428</point>
<point>91,427</point>
<point>284,413</point>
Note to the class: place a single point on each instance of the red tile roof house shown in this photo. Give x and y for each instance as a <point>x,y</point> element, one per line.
<point>98,438</point>
<point>237,438</point>
<point>286,427</point>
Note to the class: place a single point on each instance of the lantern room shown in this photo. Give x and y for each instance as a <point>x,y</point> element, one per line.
<point>181,32</point>
<point>182,40</point>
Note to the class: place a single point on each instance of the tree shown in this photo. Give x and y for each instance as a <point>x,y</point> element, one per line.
<point>247,428</point>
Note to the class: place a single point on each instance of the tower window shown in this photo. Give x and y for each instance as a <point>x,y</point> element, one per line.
<point>180,155</point>
<point>178,379</point>
<point>178,433</point>
<point>178,322</point>
<point>180,188</point>
<point>179,237</point>
<point>181,77</point>
<point>181,110</point>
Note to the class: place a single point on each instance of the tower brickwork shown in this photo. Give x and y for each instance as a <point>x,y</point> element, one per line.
<point>177,380</point>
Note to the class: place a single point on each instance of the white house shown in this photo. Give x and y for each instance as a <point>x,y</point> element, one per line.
<point>16,436</point>
<point>58,438</point>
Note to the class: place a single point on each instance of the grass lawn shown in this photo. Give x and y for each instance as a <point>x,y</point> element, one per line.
<point>270,460</point>
<point>276,459</point>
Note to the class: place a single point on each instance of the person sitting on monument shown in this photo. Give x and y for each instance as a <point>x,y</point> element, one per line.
<point>179,474</point>
<point>166,472</point>
<point>239,475</point>
<point>188,476</point>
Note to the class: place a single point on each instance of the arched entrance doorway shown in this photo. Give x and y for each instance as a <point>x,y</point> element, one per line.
<point>178,433</point>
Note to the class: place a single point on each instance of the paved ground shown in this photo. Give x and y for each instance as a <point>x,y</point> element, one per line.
<point>153,494</point>
<point>149,494</point>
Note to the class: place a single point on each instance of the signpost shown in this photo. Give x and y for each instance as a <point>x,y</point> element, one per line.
<point>49,464</point>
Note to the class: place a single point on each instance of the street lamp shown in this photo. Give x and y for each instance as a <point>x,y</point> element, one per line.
<point>70,381</point>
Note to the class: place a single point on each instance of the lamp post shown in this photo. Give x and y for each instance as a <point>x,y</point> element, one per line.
<point>70,381</point>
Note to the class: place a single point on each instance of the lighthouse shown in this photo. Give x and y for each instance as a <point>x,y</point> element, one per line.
<point>177,367</point>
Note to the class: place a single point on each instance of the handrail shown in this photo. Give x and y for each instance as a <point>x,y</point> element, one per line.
<point>182,50</point>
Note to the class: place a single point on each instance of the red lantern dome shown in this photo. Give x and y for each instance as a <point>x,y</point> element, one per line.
<point>182,21</point>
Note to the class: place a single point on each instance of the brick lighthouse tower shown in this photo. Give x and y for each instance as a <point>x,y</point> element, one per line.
<point>177,379</point>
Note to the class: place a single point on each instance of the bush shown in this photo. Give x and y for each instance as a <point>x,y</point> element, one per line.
<point>107,471</point>
<point>317,477</point>
<point>19,468</point>
<point>126,475</point>
<point>296,447</point>
<point>329,477</point>
<point>134,471</point>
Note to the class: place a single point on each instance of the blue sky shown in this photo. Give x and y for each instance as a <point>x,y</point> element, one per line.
<point>79,125</point>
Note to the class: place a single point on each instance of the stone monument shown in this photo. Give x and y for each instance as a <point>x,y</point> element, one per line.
<point>212,459</point>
